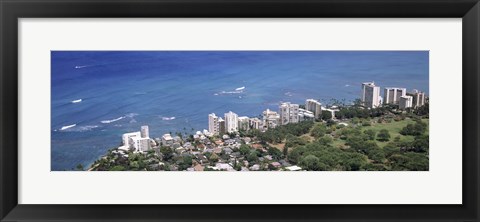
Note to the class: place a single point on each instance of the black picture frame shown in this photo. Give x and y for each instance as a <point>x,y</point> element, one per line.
<point>12,10</point>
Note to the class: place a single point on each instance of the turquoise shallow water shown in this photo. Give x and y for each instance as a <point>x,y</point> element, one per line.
<point>174,91</point>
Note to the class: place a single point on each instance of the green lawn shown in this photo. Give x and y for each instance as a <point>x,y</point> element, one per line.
<point>393,127</point>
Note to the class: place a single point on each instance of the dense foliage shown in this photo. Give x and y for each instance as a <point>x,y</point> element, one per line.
<point>279,133</point>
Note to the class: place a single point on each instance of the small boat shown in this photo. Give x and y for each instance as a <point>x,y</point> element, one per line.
<point>77,101</point>
<point>241,88</point>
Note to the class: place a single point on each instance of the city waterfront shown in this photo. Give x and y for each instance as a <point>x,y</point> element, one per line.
<point>99,96</point>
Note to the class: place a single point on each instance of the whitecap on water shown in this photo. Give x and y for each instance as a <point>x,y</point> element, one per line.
<point>75,128</point>
<point>67,127</point>
<point>76,101</point>
<point>112,120</point>
<point>129,115</point>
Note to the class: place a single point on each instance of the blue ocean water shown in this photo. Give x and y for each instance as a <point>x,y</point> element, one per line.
<point>174,91</point>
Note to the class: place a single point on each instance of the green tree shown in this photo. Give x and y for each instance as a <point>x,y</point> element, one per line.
<point>326,115</point>
<point>117,168</point>
<point>275,153</point>
<point>377,155</point>
<point>423,110</point>
<point>294,141</point>
<point>310,163</point>
<point>79,167</point>
<point>356,142</point>
<point>252,157</point>
<point>325,140</point>
<point>354,161</point>
<point>416,162</point>
<point>213,158</point>
<point>295,154</point>
<point>318,131</point>
<point>185,163</point>
<point>383,135</point>
<point>420,144</point>
<point>409,161</point>
<point>244,149</point>
<point>391,149</point>
<point>167,153</point>
<point>370,134</point>
<point>416,129</point>
<point>134,165</point>
<point>285,150</point>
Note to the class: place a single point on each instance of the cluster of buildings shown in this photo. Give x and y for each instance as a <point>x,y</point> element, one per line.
<point>391,95</point>
<point>139,141</point>
<point>287,113</point>
<point>201,150</point>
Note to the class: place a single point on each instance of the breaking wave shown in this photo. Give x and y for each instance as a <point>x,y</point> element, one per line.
<point>75,128</point>
<point>67,127</point>
<point>129,115</point>
<point>85,128</point>
<point>112,120</point>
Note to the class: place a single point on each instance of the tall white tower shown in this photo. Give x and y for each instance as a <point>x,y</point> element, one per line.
<point>231,122</point>
<point>370,95</point>
<point>213,126</point>
<point>144,132</point>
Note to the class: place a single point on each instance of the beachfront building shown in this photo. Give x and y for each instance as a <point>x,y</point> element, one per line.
<point>139,141</point>
<point>392,95</point>
<point>332,110</point>
<point>255,123</point>
<point>243,123</point>
<point>167,139</point>
<point>304,115</point>
<point>144,132</point>
<point>418,98</point>
<point>288,113</point>
<point>127,136</point>
<point>221,126</point>
<point>213,126</point>
<point>405,102</point>
<point>370,95</point>
<point>314,106</point>
<point>271,119</point>
<point>231,122</point>
<point>140,144</point>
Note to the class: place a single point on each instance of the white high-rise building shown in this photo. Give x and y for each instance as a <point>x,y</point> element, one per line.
<point>392,95</point>
<point>144,132</point>
<point>231,122</point>
<point>255,123</point>
<point>314,106</point>
<point>405,102</point>
<point>213,126</point>
<point>140,144</point>
<point>304,114</point>
<point>271,119</point>
<point>288,113</point>
<point>418,98</point>
<point>243,123</point>
<point>140,141</point>
<point>126,138</point>
<point>370,95</point>
<point>221,126</point>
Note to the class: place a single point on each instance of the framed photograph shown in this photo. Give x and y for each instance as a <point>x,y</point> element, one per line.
<point>256,110</point>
